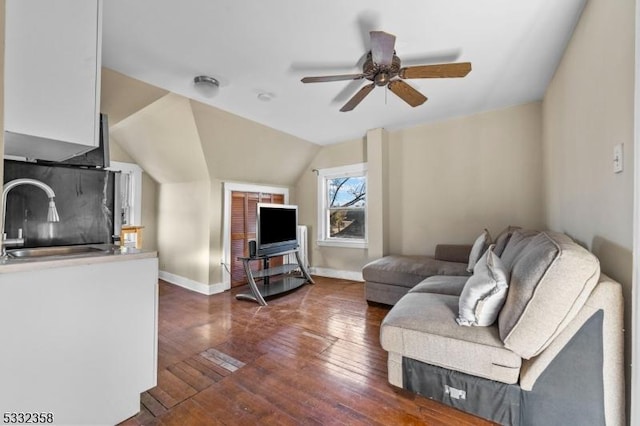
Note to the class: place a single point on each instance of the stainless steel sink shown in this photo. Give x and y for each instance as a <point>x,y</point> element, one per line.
<point>29,253</point>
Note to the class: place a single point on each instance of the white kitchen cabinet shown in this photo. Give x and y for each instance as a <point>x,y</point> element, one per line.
<point>52,77</point>
<point>78,339</point>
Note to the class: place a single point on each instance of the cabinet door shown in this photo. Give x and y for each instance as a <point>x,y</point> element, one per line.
<point>52,77</point>
<point>244,206</point>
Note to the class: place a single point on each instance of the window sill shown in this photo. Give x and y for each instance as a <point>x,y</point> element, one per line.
<point>343,243</point>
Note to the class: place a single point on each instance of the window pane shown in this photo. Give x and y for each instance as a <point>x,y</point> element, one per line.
<point>347,192</point>
<point>347,223</point>
<point>342,206</point>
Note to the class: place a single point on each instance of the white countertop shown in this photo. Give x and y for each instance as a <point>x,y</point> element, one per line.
<point>111,254</point>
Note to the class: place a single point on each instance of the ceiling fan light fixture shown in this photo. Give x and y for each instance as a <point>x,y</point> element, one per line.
<point>206,85</point>
<point>384,69</point>
<point>381,79</point>
<point>265,96</point>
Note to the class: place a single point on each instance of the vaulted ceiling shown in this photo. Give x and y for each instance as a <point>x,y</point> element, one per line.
<point>257,47</point>
<point>175,139</point>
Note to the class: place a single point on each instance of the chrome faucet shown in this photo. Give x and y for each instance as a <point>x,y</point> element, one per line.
<point>52,214</point>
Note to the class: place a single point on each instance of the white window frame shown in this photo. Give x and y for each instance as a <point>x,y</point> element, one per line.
<point>359,169</point>
<point>134,192</point>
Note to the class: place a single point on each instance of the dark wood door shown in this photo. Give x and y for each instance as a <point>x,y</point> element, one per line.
<point>244,206</point>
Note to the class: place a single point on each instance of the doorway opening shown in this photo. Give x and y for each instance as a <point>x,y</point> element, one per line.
<point>240,204</point>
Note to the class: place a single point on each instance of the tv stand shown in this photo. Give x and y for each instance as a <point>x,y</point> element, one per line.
<point>287,279</point>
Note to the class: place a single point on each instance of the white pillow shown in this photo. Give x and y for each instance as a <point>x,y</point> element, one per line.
<point>479,245</point>
<point>485,291</point>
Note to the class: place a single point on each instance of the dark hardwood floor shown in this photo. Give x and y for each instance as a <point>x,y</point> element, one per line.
<point>310,357</point>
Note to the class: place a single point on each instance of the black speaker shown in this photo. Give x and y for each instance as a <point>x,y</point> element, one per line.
<point>253,248</point>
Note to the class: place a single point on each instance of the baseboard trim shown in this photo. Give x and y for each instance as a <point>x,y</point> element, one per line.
<point>189,284</point>
<point>210,289</point>
<point>336,273</point>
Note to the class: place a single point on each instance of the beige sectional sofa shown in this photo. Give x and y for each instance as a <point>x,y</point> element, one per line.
<point>389,278</point>
<point>553,356</point>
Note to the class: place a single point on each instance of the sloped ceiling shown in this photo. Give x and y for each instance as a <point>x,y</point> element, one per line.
<point>122,96</point>
<point>177,140</point>
<point>163,139</point>
<point>241,150</point>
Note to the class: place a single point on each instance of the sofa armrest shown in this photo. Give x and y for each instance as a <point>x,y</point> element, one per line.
<point>606,299</point>
<point>453,252</point>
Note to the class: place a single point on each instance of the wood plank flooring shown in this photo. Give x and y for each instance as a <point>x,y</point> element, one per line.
<point>310,357</point>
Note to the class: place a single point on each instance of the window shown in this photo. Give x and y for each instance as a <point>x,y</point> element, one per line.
<point>130,192</point>
<point>342,206</point>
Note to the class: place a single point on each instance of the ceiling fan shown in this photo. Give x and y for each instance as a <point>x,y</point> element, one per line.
<point>383,68</point>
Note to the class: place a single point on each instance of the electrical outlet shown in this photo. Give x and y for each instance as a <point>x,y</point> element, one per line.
<point>618,158</point>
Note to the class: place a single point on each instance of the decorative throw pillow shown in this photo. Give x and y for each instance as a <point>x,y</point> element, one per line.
<point>485,292</point>
<point>478,248</point>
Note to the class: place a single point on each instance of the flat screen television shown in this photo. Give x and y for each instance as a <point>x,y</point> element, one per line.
<point>277,226</point>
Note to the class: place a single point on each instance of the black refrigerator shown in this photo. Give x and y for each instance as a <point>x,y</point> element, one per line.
<point>86,199</point>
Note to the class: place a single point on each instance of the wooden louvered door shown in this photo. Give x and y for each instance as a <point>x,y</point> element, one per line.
<point>244,206</point>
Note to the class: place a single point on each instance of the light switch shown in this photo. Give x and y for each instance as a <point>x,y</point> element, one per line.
<point>618,158</point>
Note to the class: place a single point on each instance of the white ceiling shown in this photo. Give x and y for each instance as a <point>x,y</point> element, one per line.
<point>255,47</point>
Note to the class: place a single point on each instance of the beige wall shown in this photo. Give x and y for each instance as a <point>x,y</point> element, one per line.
<point>149,198</point>
<point>149,213</point>
<point>587,109</point>
<point>163,139</point>
<point>122,96</point>
<point>182,144</point>
<point>445,182</point>
<point>183,221</point>
<point>378,206</point>
<point>216,206</point>
<point>450,180</point>
<point>116,153</point>
<point>240,150</point>
<point>340,154</point>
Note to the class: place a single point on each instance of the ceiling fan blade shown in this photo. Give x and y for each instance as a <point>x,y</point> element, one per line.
<point>325,78</point>
<point>407,93</point>
<point>358,97</point>
<point>382,47</point>
<point>459,69</point>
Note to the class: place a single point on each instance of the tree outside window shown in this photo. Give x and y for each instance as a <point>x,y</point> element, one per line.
<point>342,206</point>
<point>347,200</point>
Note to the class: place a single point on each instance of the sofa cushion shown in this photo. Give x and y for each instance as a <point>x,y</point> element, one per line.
<point>551,279</point>
<point>384,293</point>
<point>453,252</point>
<point>422,326</point>
<point>479,246</point>
<point>484,293</point>
<point>407,271</point>
<point>441,284</point>
<point>503,238</point>
<point>516,244</point>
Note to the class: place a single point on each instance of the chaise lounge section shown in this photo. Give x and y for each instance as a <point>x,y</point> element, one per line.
<point>391,277</point>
